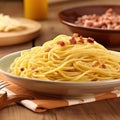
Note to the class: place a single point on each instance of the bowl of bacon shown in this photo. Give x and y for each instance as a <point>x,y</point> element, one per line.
<point>102,22</point>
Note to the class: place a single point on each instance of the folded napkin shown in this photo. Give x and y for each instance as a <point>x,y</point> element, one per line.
<point>42,103</point>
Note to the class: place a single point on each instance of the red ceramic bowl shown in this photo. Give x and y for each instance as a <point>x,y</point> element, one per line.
<point>106,37</point>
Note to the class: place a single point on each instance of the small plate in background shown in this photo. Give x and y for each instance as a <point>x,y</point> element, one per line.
<point>31,31</point>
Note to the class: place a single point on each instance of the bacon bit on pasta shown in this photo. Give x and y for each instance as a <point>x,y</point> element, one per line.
<point>72,40</point>
<point>75,35</point>
<point>90,40</point>
<point>22,69</point>
<point>61,43</point>
<point>81,39</point>
<point>103,66</point>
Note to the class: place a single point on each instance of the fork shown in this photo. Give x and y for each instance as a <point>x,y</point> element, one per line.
<point>3,84</point>
<point>6,100</point>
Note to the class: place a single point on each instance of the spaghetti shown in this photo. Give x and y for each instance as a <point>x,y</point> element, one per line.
<point>67,58</point>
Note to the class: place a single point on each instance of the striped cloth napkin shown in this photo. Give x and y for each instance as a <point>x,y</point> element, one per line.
<point>43,103</point>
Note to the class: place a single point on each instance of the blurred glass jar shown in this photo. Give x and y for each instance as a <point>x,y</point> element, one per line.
<point>35,9</point>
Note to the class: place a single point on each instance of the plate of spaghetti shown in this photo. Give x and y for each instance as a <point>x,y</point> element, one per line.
<point>65,66</point>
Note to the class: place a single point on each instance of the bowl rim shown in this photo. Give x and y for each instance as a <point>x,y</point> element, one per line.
<point>70,24</point>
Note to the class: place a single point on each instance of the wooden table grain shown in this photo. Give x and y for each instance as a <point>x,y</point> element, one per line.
<point>51,27</point>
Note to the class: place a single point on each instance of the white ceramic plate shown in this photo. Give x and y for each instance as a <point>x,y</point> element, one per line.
<point>56,88</point>
<point>32,30</point>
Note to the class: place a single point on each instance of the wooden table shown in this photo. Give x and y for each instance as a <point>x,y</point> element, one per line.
<point>51,27</point>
